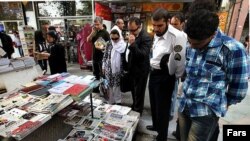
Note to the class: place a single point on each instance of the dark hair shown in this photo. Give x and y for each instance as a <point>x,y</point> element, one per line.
<point>159,14</point>
<point>104,26</point>
<point>52,28</point>
<point>247,38</point>
<point>209,5</point>
<point>98,19</point>
<point>136,20</point>
<point>179,16</point>
<point>53,34</point>
<point>202,24</point>
<point>15,32</point>
<point>39,36</point>
<point>115,31</point>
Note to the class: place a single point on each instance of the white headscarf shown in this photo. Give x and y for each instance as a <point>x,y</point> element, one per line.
<point>118,48</point>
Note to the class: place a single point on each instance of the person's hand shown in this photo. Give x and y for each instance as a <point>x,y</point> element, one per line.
<point>45,54</point>
<point>93,30</point>
<point>131,39</point>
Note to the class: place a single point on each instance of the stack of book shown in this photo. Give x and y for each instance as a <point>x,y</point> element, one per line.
<point>77,91</point>
<point>17,64</point>
<point>5,65</point>
<point>19,123</point>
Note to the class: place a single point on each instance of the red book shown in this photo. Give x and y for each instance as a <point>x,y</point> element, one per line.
<point>76,89</point>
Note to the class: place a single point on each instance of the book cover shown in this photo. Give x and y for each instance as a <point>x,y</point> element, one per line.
<point>79,135</point>
<point>59,89</point>
<point>114,132</point>
<point>41,92</point>
<point>31,88</point>
<point>76,89</point>
<point>87,124</point>
<point>72,120</point>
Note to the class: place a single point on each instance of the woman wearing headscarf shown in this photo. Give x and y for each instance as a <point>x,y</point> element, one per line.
<point>112,66</point>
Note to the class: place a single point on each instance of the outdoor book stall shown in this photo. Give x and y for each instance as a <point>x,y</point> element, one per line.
<point>69,96</point>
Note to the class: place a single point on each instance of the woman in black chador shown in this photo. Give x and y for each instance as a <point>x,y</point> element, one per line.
<point>56,53</point>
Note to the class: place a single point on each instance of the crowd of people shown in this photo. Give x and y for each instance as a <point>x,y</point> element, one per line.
<point>186,58</point>
<point>208,69</point>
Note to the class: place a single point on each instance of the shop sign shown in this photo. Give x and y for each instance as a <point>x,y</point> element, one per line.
<point>149,7</point>
<point>223,20</point>
<point>103,11</point>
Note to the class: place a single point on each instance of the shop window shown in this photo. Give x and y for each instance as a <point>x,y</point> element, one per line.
<point>11,11</point>
<point>10,27</point>
<point>64,8</point>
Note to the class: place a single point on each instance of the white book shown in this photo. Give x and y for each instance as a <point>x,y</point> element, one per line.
<point>123,110</point>
<point>121,120</point>
<point>54,76</point>
<point>71,78</point>
<point>87,80</point>
<point>59,89</point>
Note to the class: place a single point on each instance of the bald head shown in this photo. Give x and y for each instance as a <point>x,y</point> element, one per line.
<point>120,23</point>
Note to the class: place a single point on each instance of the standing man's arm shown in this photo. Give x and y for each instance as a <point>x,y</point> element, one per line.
<point>177,58</point>
<point>143,49</point>
<point>238,77</point>
<point>91,35</point>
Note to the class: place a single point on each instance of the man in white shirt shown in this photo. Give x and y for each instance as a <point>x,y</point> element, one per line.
<point>167,64</point>
<point>178,22</point>
<point>119,24</point>
<point>18,44</point>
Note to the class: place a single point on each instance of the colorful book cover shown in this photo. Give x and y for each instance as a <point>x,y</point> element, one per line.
<point>76,89</point>
<point>110,131</point>
<point>31,88</point>
<point>59,89</point>
<point>79,135</point>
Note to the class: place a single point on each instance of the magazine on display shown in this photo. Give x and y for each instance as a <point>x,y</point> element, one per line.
<point>51,104</point>
<point>121,120</point>
<point>19,123</point>
<point>15,100</point>
<point>123,110</point>
<point>73,120</point>
<point>87,124</point>
<point>110,131</point>
<point>79,135</point>
<point>100,138</point>
<point>96,102</point>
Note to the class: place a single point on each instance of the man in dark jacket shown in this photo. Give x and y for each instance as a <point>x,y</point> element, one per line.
<point>99,36</point>
<point>138,61</point>
<point>6,44</point>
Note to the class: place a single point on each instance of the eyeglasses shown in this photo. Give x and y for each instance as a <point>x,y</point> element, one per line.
<point>134,30</point>
<point>114,39</point>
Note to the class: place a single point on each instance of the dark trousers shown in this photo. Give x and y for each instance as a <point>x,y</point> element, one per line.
<point>20,49</point>
<point>43,64</point>
<point>97,72</point>
<point>138,92</point>
<point>161,86</point>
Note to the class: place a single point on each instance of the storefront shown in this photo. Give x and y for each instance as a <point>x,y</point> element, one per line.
<point>66,16</point>
<point>11,16</point>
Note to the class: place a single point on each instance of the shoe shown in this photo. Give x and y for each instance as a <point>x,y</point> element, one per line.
<point>175,135</point>
<point>151,128</point>
<point>44,72</point>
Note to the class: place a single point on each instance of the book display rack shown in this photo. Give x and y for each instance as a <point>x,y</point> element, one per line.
<point>26,109</point>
